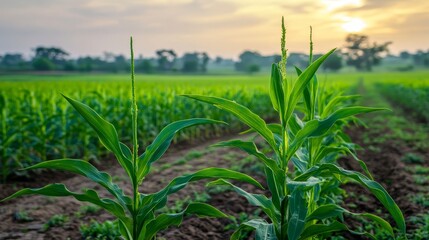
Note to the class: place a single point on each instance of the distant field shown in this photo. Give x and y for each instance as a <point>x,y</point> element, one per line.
<point>65,83</point>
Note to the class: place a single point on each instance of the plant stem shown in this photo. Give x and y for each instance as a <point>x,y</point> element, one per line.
<point>135,143</point>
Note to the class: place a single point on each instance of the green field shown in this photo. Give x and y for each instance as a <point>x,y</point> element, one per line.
<point>38,125</point>
<point>35,102</point>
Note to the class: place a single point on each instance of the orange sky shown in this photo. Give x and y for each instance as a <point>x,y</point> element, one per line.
<point>219,27</point>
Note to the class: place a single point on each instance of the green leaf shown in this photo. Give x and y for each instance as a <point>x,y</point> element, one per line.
<point>274,175</point>
<point>125,230</point>
<point>158,200</point>
<point>264,230</point>
<point>332,211</point>
<point>301,83</point>
<point>164,221</point>
<point>276,90</point>
<point>126,150</point>
<point>86,169</point>
<point>297,213</point>
<point>106,132</point>
<point>318,229</point>
<point>59,190</point>
<point>295,124</point>
<point>317,128</point>
<point>258,200</point>
<point>383,223</point>
<point>329,108</point>
<point>326,211</point>
<point>273,185</point>
<point>251,149</point>
<point>379,192</point>
<point>274,128</point>
<point>163,140</point>
<point>306,93</point>
<point>297,205</point>
<point>241,112</point>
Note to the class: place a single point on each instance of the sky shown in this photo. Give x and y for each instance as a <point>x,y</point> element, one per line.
<point>220,27</point>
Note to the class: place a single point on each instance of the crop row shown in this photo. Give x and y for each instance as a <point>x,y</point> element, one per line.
<point>414,99</point>
<point>40,125</point>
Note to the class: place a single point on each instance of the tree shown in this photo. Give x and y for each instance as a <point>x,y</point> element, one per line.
<point>421,58</point>
<point>404,55</point>
<point>362,54</point>
<point>53,54</point>
<point>218,60</point>
<point>204,61</point>
<point>43,64</point>
<point>120,64</point>
<point>85,64</point>
<point>47,58</point>
<point>12,60</point>
<point>247,59</point>
<point>166,59</point>
<point>254,68</point>
<point>190,62</point>
<point>145,66</point>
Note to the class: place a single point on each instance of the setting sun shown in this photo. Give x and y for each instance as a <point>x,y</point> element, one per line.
<point>353,25</point>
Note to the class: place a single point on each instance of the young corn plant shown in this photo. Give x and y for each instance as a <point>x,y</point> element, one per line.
<point>136,214</point>
<point>301,203</point>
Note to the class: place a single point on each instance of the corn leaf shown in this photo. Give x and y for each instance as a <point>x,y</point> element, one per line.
<point>251,149</point>
<point>302,82</point>
<point>306,93</point>
<point>125,230</point>
<point>318,229</point>
<point>86,169</point>
<point>329,108</point>
<point>297,213</point>
<point>379,192</point>
<point>316,128</point>
<point>264,230</point>
<point>163,140</point>
<point>241,112</point>
<point>106,132</point>
<point>164,221</point>
<point>158,200</point>
<point>257,200</point>
<point>274,173</point>
<point>276,90</point>
<point>325,212</point>
<point>274,187</point>
<point>59,190</point>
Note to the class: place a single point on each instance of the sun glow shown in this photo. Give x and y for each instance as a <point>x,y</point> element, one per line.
<point>353,25</point>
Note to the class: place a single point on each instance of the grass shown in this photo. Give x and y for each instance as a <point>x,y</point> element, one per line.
<point>55,221</point>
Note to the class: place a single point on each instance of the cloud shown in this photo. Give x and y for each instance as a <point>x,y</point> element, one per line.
<point>224,27</point>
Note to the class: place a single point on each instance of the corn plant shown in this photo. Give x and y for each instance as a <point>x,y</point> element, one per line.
<point>300,203</point>
<point>136,214</point>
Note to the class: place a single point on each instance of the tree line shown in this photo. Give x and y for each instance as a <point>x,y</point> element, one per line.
<point>358,52</point>
<point>53,58</point>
